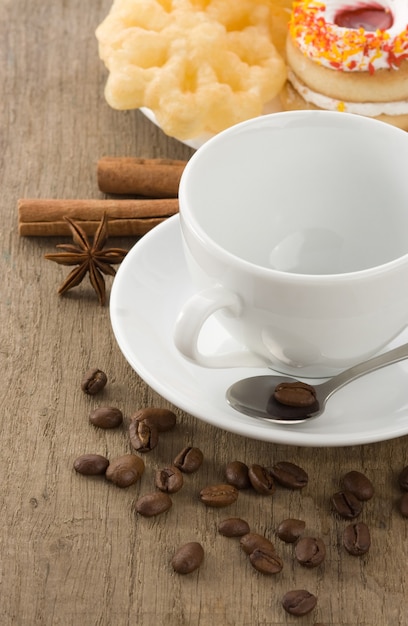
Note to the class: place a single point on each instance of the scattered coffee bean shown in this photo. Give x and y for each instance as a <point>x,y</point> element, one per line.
<point>358,484</point>
<point>169,479</point>
<point>153,504</point>
<point>125,470</point>
<point>346,504</point>
<point>94,381</point>
<point>265,561</point>
<point>188,558</point>
<point>289,475</point>
<point>255,541</point>
<point>91,464</point>
<point>261,479</point>
<point>236,474</point>
<point>144,435</point>
<point>233,527</point>
<point>356,538</point>
<point>189,460</point>
<point>403,479</point>
<point>162,419</point>
<point>295,394</point>
<point>106,417</point>
<point>310,551</point>
<point>403,504</point>
<point>289,530</point>
<point>299,602</point>
<point>218,495</point>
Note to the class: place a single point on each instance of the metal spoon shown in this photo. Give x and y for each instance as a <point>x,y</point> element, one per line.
<point>254,396</point>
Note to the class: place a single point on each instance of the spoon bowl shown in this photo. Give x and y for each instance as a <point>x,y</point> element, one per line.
<point>254,396</point>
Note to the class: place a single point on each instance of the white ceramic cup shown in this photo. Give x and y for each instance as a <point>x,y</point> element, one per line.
<point>295,232</point>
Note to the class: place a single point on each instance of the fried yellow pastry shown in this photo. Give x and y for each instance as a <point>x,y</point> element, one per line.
<point>199,65</point>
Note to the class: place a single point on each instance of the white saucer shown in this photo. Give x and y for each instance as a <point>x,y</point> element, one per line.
<point>152,283</point>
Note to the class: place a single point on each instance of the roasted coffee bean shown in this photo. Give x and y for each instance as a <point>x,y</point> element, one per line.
<point>261,479</point>
<point>310,551</point>
<point>162,419</point>
<point>189,460</point>
<point>219,495</point>
<point>403,504</point>
<point>299,602</point>
<point>289,530</point>
<point>106,417</point>
<point>254,541</point>
<point>289,475</point>
<point>265,561</point>
<point>295,394</point>
<point>125,470</point>
<point>169,479</point>
<point>233,527</point>
<point>356,538</point>
<point>144,436</point>
<point>358,484</point>
<point>346,504</point>
<point>236,474</point>
<point>153,504</point>
<point>403,479</point>
<point>188,558</point>
<point>94,381</point>
<point>91,464</point>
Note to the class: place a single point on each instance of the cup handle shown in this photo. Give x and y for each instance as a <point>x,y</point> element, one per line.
<point>191,319</point>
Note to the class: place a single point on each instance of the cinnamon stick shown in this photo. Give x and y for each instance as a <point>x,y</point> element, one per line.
<point>154,178</point>
<point>45,217</point>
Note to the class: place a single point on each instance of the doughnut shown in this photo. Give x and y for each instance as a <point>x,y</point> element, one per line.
<point>349,56</point>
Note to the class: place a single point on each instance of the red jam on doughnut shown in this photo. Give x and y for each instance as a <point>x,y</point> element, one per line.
<point>360,38</point>
<point>368,18</point>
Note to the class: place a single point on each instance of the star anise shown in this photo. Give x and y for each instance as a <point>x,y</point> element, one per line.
<point>93,259</point>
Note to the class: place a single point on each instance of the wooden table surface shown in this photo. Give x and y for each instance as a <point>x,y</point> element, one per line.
<point>73,552</point>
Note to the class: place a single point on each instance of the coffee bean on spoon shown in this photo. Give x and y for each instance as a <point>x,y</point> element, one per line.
<point>295,394</point>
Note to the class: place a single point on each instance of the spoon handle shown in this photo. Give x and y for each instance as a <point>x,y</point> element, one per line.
<point>387,358</point>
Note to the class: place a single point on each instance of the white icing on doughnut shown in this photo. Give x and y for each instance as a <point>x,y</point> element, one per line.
<point>369,109</point>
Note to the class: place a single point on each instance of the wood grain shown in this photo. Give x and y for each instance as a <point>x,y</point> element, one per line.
<point>72,550</point>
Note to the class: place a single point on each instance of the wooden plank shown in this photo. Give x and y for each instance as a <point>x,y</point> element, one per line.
<point>73,551</point>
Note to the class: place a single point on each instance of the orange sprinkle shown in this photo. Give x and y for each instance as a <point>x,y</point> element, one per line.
<point>326,42</point>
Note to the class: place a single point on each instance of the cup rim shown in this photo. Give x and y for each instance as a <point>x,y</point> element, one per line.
<point>193,225</point>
